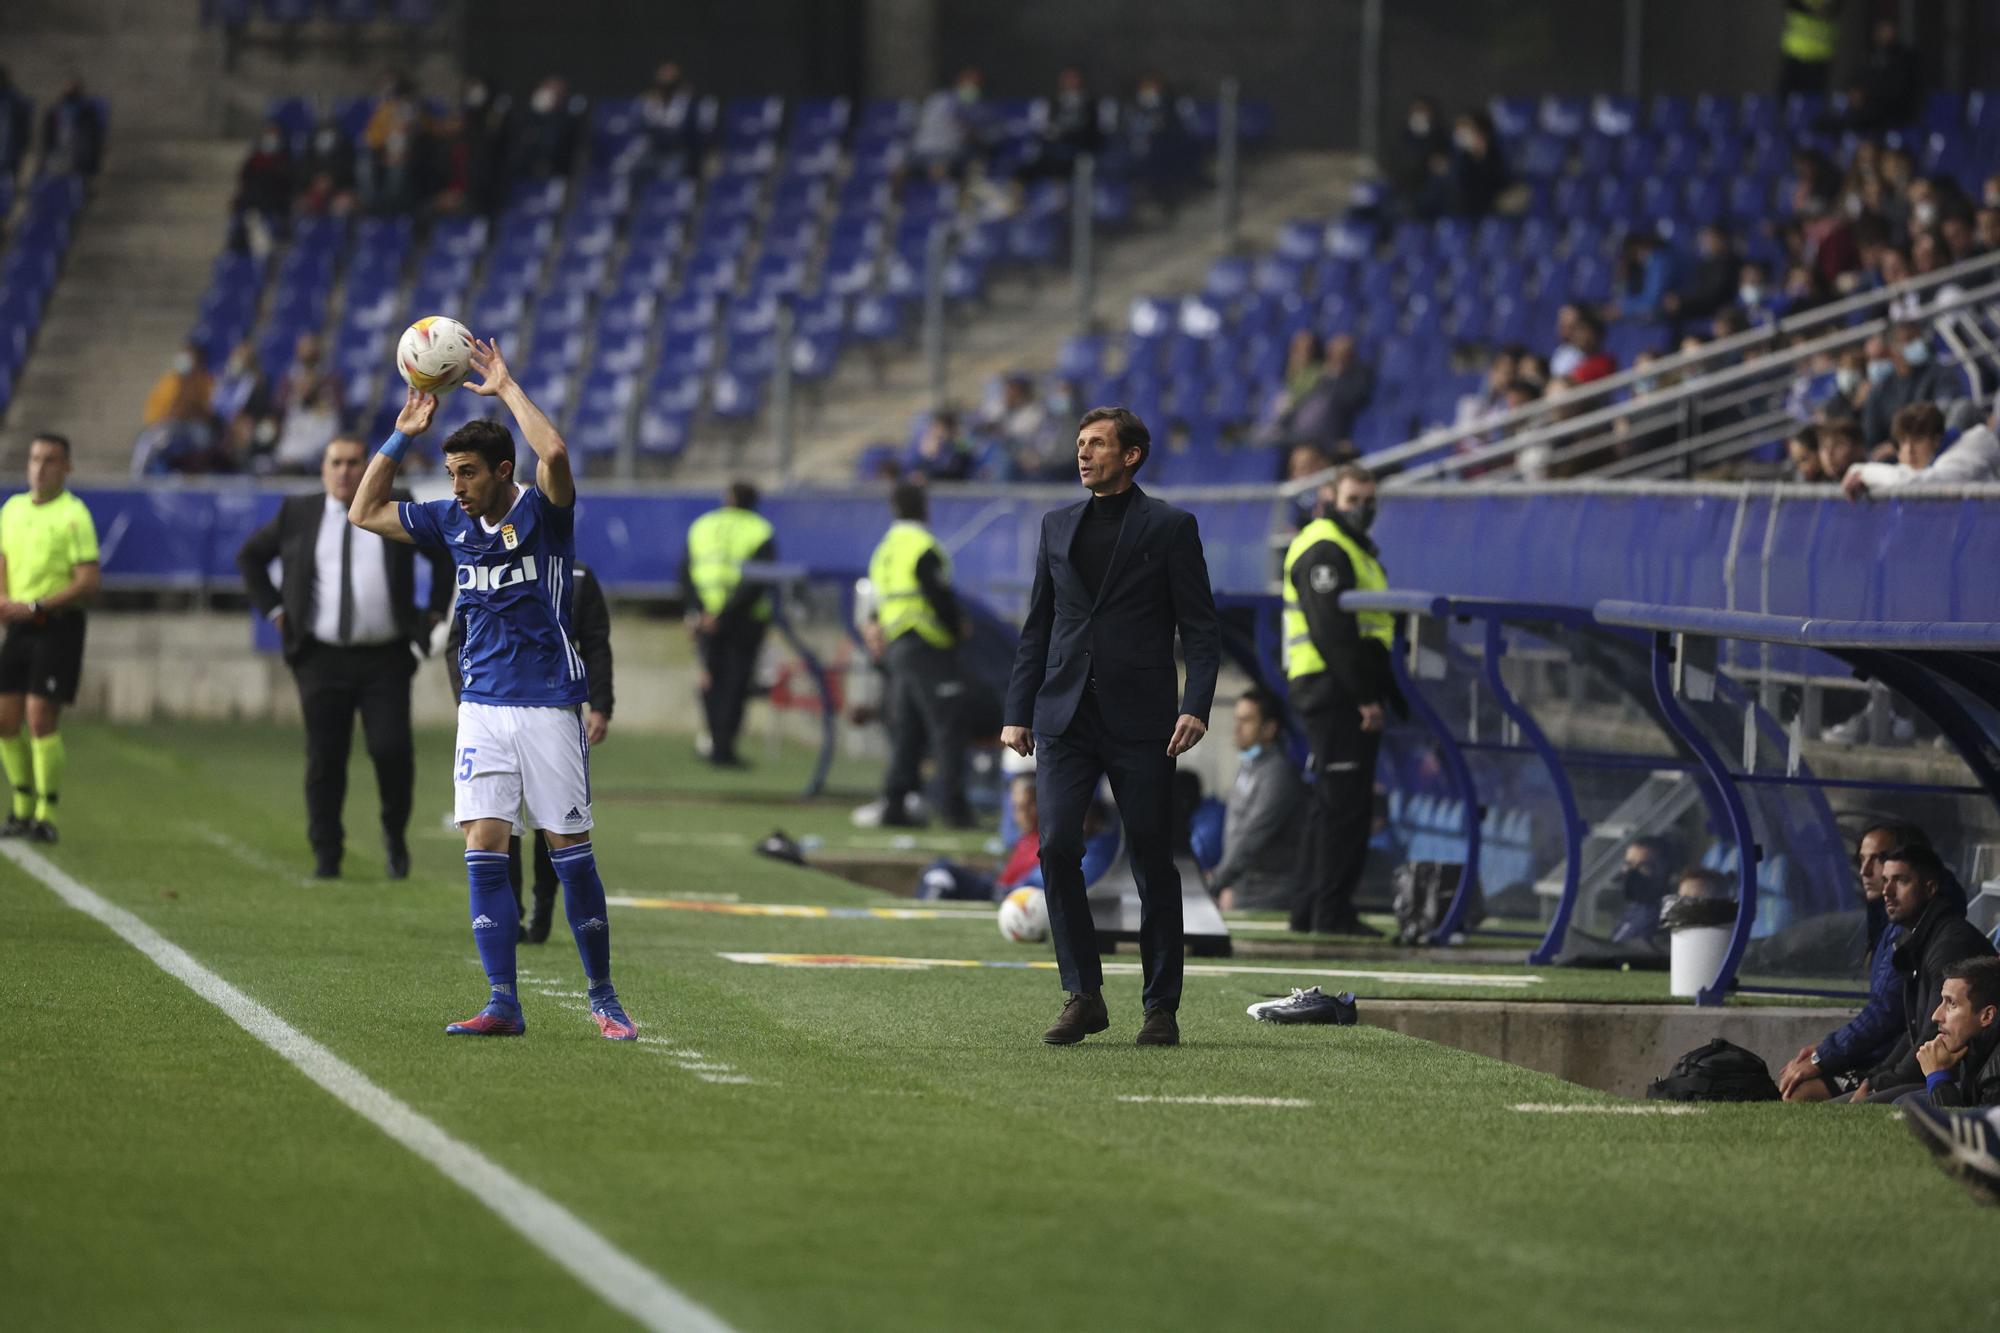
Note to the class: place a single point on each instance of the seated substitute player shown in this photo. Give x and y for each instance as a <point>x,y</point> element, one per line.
<point>521,733</point>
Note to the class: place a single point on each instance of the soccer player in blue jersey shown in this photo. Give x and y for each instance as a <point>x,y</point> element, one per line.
<point>520,717</point>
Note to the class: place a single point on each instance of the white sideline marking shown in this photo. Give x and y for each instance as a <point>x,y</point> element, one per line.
<point>1216,1101</point>
<point>593,1260</point>
<point>1578,1108</point>
<point>898,962</point>
<point>249,855</point>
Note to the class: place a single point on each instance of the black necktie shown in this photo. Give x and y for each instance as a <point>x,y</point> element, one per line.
<point>346,581</point>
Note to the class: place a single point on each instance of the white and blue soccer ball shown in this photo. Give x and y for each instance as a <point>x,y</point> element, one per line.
<point>435,354</point>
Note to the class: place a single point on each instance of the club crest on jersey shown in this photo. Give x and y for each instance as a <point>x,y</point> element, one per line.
<point>507,537</point>
<point>491,578</point>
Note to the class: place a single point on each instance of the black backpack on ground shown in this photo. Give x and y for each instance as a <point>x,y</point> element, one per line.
<point>1721,1071</point>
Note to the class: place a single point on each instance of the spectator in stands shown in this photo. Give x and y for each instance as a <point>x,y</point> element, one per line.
<point>1956,237</point>
<point>1921,897</point>
<point>241,400</point>
<point>264,182</point>
<point>462,151</point>
<point>1802,448</point>
<point>1803,290</point>
<point>312,417</point>
<point>16,126</point>
<point>1592,361</point>
<point>951,127</point>
<point>1023,427</point>
<point>1490,399</point>
<point>72,131</point>
<point>1645,282</point>
<point>177,414</point>
<point>676,121</point>
<point>326,172</point>
<point>1422,168</point>
<point>1325,415</point>
<point>1479,172</point>
<point>1071,127</point>
<point>1823,1069</point>
<point>1754,297</point>
<point>1712,281</point>
<point>1840,448</point>
<point>1961,1063</point>
<point>1259,866</point>
<point>1919,434</point>
<point>308,374</point>
<point>545,138</point>
<point>943,452</point>
<point>1305,366</point>
<point>1850,387</point>
<point>386,165</point>
<point>1164,155</point>
<point>1303,461</point>
<point>1911,377</point>
<point>1986,229</point>
<point>1884,94</point>
<point>1827,239</point>
<point>1810,39</point>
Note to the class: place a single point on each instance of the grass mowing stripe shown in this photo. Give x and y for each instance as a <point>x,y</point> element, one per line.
<point>545,1224</point>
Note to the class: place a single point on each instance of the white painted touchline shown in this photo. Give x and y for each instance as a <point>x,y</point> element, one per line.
<point>1580,1108</point>
<point>1214,1101</point>
<point>250,856</point>
<point>725,1078</point>
<point>592,1259</point>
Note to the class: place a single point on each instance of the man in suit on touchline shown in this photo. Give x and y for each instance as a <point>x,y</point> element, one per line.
<point>348,619</point>
<point>1093,695</point>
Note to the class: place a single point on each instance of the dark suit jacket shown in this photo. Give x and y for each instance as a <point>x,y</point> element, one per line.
<point>1157,583</point>
<point>291,538</point>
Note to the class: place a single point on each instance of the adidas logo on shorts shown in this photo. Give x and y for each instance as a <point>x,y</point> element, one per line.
<point>575,816</point>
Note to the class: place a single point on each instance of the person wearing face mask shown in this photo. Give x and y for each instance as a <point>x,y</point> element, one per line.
<point>1165,159</point>
<point>1479,169</point>
<point>951,127</point>
<point>1641,885</point>
<point>1337,666</point>
<point>1422,165</point>
<point>1910,376</point>
<point>1921,458</point>
<point>545,136</point>
<point>177,414</point>
<point>1259,865</point>
<point>1711,279</point>
<point>676,118</point>
<point>1754,296</point>
<point>264,182</point>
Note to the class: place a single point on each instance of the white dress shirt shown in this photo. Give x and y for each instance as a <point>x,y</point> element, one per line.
<point>374,617</point>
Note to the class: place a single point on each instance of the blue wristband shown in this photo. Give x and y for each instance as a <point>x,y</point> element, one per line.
<point>394,447</point>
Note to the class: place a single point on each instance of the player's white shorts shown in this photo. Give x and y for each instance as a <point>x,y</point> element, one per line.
<point>509,756</point>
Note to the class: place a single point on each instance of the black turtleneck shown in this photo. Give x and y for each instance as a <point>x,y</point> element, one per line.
<point>1097,538</point>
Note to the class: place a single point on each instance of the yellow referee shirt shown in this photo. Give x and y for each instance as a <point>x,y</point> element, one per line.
<point>44,543</point>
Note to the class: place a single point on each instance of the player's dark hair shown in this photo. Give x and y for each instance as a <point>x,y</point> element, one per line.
<point>1126,426</point>
<point>50,437</point>
<point>741,495</point>
<point>345,437</point>
<point>909,500</point>
<point>1920,858</point>
<point>489,439</point>
<point>1981,977</point>
<point>1265,702</point>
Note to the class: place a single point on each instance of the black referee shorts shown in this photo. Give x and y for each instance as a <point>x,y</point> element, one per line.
<point>44,658</point>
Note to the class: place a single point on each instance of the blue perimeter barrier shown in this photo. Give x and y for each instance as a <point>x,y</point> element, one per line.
<point>1789,550</point>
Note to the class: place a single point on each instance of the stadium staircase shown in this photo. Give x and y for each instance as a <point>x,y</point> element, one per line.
<point>1025,324</point>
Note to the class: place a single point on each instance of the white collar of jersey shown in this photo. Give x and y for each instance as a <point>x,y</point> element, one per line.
<point>490,528</point>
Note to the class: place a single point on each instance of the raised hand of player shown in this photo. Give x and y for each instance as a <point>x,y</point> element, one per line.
<point>418,409</point>
<point>492,367</point>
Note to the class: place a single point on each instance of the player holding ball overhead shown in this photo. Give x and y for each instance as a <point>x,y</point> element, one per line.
<point>521,731</point>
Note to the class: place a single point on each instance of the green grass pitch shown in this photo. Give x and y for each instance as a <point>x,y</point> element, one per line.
<point>905,1153</point>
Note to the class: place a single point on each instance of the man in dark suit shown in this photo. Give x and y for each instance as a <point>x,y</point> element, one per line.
<point>348,618</point>
<point>1093,694</point>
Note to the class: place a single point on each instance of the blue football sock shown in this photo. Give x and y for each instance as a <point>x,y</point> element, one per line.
<point>494,925</point>
<point>583,903</point>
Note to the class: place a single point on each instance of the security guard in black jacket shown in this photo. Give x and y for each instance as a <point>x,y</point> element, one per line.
<point>1337,671</point>
<point>590,621</point>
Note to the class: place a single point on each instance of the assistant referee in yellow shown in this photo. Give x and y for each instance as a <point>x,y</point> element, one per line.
<point>48,566</point>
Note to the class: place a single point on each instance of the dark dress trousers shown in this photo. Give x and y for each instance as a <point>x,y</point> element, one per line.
<point>1094,677</point>
<point>335,681</point>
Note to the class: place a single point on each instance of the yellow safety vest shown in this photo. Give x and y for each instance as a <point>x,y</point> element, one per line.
<point>900,605</point>
<point>1811,34</point>
<point>1302,655</point>
<point>719,542</point>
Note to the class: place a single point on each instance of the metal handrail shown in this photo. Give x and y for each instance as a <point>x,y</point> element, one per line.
<point>1720,349</point>
<point>1692,390</point>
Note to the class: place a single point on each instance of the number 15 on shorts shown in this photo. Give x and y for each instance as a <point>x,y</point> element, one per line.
<point>465,762</point>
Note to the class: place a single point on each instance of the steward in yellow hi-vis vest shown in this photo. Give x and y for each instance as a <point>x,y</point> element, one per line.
<point>1337,672</point>
<point>914,632</point>
<point>48,562</point>
<point>1810,39</point>
<point>729,612</point>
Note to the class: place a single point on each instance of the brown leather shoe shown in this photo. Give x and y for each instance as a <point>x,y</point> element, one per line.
<point>1081,1015</point>
<point>1161,1028</point>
